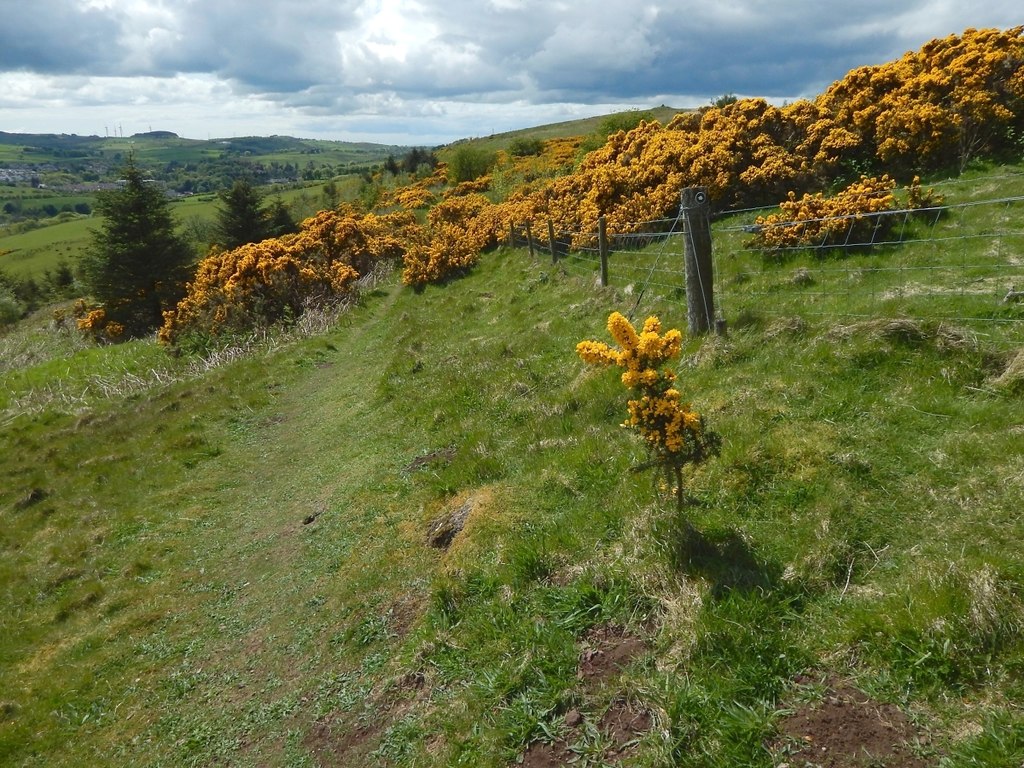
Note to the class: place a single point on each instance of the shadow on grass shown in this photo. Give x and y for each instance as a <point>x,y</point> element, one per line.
<point>721,556</point>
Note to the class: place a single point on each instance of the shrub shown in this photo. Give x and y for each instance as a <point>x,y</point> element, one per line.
<point>525,147</point>
<point>855,216</point>
<point>469,163</point>
<point>258,284</point>
<point>675,434</point>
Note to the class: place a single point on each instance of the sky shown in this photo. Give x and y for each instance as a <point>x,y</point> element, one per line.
<point>428,72</point>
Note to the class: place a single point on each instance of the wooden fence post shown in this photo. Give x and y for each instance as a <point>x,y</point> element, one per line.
<point>551,242</point>
<point>700,300</point>
<point>529,238</point>
<point>511,234</point>
<point>602,248</point>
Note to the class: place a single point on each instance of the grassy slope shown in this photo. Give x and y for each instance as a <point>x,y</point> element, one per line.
<point>569,128</point>
<point>167,605</point>
<point>31,253</point>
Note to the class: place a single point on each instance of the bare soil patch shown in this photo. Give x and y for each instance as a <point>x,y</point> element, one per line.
<point>541,755</point>
<point>441,456</point>
<point>444,529</point>
<point>622,726</point>
<point>607,651</point>
<point>848,729</point>
<point>335,740</point>
<point>403,614</point>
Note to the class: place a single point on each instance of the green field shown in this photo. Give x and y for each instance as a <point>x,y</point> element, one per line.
<point>229,564</point>
<point>161,149</point>
<point>31,253</point>
<point>65,163</point>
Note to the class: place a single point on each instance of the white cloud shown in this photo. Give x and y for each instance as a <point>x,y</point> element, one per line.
<point>429,70</point>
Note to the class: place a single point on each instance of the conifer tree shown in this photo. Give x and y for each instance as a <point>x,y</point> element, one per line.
<point>241,219</point>
<point>136,265</point>
<point>279,220</point>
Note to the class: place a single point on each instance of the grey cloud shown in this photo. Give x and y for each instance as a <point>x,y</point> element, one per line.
<point>56,37</point>
<point>272,46</point>
<point>413,64</point>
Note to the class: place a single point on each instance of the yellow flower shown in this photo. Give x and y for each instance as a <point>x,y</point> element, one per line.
<point>670,428</point>
<point>596,353</point>
<point>622,331</point>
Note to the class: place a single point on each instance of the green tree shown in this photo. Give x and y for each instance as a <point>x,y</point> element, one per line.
<point>724,100</point>
<point>11,308</point>
<point>469,162</point>
<point>331,194</point>
<point>136,264</point>
<point>524,147</point>
<point>240,218</point>
<point>279,219</point>
<point>419,160</point>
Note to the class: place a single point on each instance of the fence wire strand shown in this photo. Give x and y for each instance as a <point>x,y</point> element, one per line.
<point>850,272</point>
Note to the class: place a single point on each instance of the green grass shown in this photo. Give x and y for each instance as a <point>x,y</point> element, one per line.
<point>956,269</point>
<point>569,128</point>
<point>31,253</point>
<point>166,602</point>
<point>35,251</point>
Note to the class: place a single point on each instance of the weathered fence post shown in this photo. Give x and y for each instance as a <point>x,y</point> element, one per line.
<point>602,249</point>
<point>551,242</point>
<point>529,238</point>
<point>511,234</point>
<point>700,300</point>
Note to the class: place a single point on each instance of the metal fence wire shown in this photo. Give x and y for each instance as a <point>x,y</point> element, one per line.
<point>960,262</point>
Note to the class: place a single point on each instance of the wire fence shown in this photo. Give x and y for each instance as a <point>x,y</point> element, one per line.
<point>961,262</point>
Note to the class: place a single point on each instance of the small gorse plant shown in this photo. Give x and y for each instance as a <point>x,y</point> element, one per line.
<point>675,434</point>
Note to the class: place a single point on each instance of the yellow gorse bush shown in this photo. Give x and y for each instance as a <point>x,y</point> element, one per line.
<point>958,97</point>
<point>955,99</point>
<point>674,433</point>
<point>95,323</point>
<point>851,216</point>
<point>261,283</point>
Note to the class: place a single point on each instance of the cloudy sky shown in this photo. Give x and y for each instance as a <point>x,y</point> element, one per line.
<point>425,72</point>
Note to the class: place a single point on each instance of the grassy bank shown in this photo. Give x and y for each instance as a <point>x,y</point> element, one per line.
<point>233,566</point>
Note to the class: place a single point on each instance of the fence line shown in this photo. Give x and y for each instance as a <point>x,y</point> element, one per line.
<point>959,262</point>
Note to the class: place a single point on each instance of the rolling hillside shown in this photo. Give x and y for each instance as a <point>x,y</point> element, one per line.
<point>246,564</point>
<point>407,525</point>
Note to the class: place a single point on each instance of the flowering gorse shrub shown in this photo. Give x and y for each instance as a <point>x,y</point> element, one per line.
<point>96,324</point>
<point>674,433</point>
<point>258,284</point>
<point>955,99</point>
<point>958,98</point>
<point>458,230</point>
<point>854,216</point>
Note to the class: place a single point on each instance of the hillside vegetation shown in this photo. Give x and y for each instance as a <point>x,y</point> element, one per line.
<point>403,525</point>
<point>957,101</point>
<point>233,565</point>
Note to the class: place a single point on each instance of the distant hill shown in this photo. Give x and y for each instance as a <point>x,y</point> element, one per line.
<point>579,127</point>
<point>50,147</point>
<point>156,135</point>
